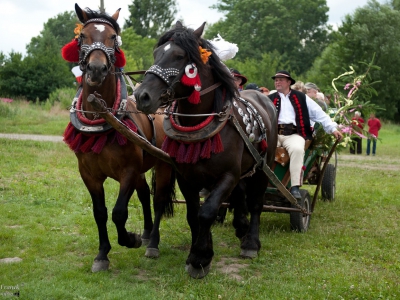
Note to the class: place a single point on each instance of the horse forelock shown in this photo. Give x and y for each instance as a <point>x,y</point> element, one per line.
<point>189,42</point>
<point>97,15</point>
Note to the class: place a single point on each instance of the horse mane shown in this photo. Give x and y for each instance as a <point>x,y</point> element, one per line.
<point>186,39</point>
<point>98,15</point>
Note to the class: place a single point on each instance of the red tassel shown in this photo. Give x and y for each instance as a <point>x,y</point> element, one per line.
<point>76,143</point>
<point>194,97</point>
<point>206,150</point>
<point>70,51</point>
<point>189,153</point>
<point>69,134</point>
<point>130,124</point>
<point>120,59</point>
<point>120,138</point>
<point>196,153</point>
<point>166,144</point>
<point>100,143</point>
<point>88,144</point>
<point>180,157</point>
<point>217,145</point>
<point>173,150</point>
<point>264,145</point>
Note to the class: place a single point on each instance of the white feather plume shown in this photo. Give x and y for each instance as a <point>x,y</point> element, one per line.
<point>224,49</point>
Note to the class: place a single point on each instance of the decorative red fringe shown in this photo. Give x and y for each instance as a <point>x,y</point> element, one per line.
<point>76,143</point>
<point>192,152</point>
<point>88,144</point>
<point>100,143</point>
<point>83,142</point>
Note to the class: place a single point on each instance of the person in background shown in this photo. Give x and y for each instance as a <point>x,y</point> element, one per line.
<point>374,125</point>
<point>295,111</point>
<point>358,125</point>
<point>254,86</point>
<point>299,86</point>
<point>240,80</point>
<point>312,90</point>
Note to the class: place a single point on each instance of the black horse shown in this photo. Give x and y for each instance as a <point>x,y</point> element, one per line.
<point>206,116</point>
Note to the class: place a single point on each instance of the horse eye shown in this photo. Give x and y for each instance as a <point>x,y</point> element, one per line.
<point>180,57</point>
<point>114,36</point>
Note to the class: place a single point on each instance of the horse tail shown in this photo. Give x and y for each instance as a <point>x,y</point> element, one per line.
<point>168,204</point>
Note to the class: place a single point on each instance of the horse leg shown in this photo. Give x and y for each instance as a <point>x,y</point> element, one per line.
<point>238,203</point>
<point>96,190</point>
<point>120,213</point>
<point>164,190</point>
<point>143,192</point>
<point>255,189</point>
<point>201,253</point>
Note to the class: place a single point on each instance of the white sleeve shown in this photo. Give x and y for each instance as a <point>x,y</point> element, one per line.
<point>318,115</point>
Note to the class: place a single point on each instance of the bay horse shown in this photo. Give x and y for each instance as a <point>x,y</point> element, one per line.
<point>104,153</point>
<point>211,152</point>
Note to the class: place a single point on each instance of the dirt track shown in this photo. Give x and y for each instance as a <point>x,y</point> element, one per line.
<point>357,161</point>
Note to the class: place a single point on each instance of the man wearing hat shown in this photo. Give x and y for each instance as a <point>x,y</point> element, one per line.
<point>240,80</point>
<point>295,111</point>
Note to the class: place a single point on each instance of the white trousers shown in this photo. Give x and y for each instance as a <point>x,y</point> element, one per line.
<point>294,145</point>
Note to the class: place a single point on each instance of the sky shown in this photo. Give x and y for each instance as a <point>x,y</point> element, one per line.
<point>21,20</point>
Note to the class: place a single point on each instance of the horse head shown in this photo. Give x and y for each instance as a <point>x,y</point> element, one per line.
<point>98,41</point>
<point>184,63</point>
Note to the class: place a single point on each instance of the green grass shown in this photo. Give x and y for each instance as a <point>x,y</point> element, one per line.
<point>350,251</point>
<point>24,117</point>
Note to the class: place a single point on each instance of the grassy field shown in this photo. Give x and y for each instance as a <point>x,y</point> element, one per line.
<point>351,250</point>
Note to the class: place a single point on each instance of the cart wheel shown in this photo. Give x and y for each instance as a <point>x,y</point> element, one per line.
<point>221,215</point>
<point>298,221</point>
<point>328,186</point>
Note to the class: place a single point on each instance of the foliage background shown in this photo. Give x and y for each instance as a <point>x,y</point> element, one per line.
<point>271,35</point>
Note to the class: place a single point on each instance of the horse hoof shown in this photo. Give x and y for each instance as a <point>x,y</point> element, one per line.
<point>100,265</point>
<point>152,253</point>
<point>197,273</point>
<point>248,253</point>
<point>135,240</point>
<point>145,242</point>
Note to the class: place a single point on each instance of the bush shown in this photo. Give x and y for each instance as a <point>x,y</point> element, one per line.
<point>63,95</point>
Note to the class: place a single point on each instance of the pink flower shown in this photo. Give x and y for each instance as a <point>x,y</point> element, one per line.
<point>358,83</point>
<point>347,86</point>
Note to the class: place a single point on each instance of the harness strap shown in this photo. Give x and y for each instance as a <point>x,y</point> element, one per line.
<point>260,162</point>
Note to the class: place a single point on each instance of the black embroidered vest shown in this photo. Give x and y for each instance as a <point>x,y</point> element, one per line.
<point>298,100</point>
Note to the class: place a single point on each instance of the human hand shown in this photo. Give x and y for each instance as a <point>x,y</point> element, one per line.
<point>338,135</point>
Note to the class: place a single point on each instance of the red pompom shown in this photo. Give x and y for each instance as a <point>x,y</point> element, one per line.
<point>70,52</point>
<point>120,59</point>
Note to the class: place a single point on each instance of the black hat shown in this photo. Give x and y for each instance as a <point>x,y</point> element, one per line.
<point>252,86</point>
<point>236,73</point>
<point>284,74</point>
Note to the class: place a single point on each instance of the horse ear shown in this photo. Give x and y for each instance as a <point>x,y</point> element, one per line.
<point>116,14</point>
<point>82,16</point>
<point>199,31</point>
<point>178,24</point>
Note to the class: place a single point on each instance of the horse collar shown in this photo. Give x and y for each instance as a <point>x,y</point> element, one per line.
<point>201,132</point>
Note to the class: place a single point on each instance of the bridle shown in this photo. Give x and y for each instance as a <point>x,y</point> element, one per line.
<point>85,50</point>
<point>168,96</point>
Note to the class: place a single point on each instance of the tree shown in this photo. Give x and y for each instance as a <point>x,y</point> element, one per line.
<point>371,30</point>
<point>296,29</point>
<point>150,18</point>
<point>61,27</point>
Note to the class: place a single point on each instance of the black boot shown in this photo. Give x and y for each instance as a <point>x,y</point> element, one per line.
<point>294,190</point>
